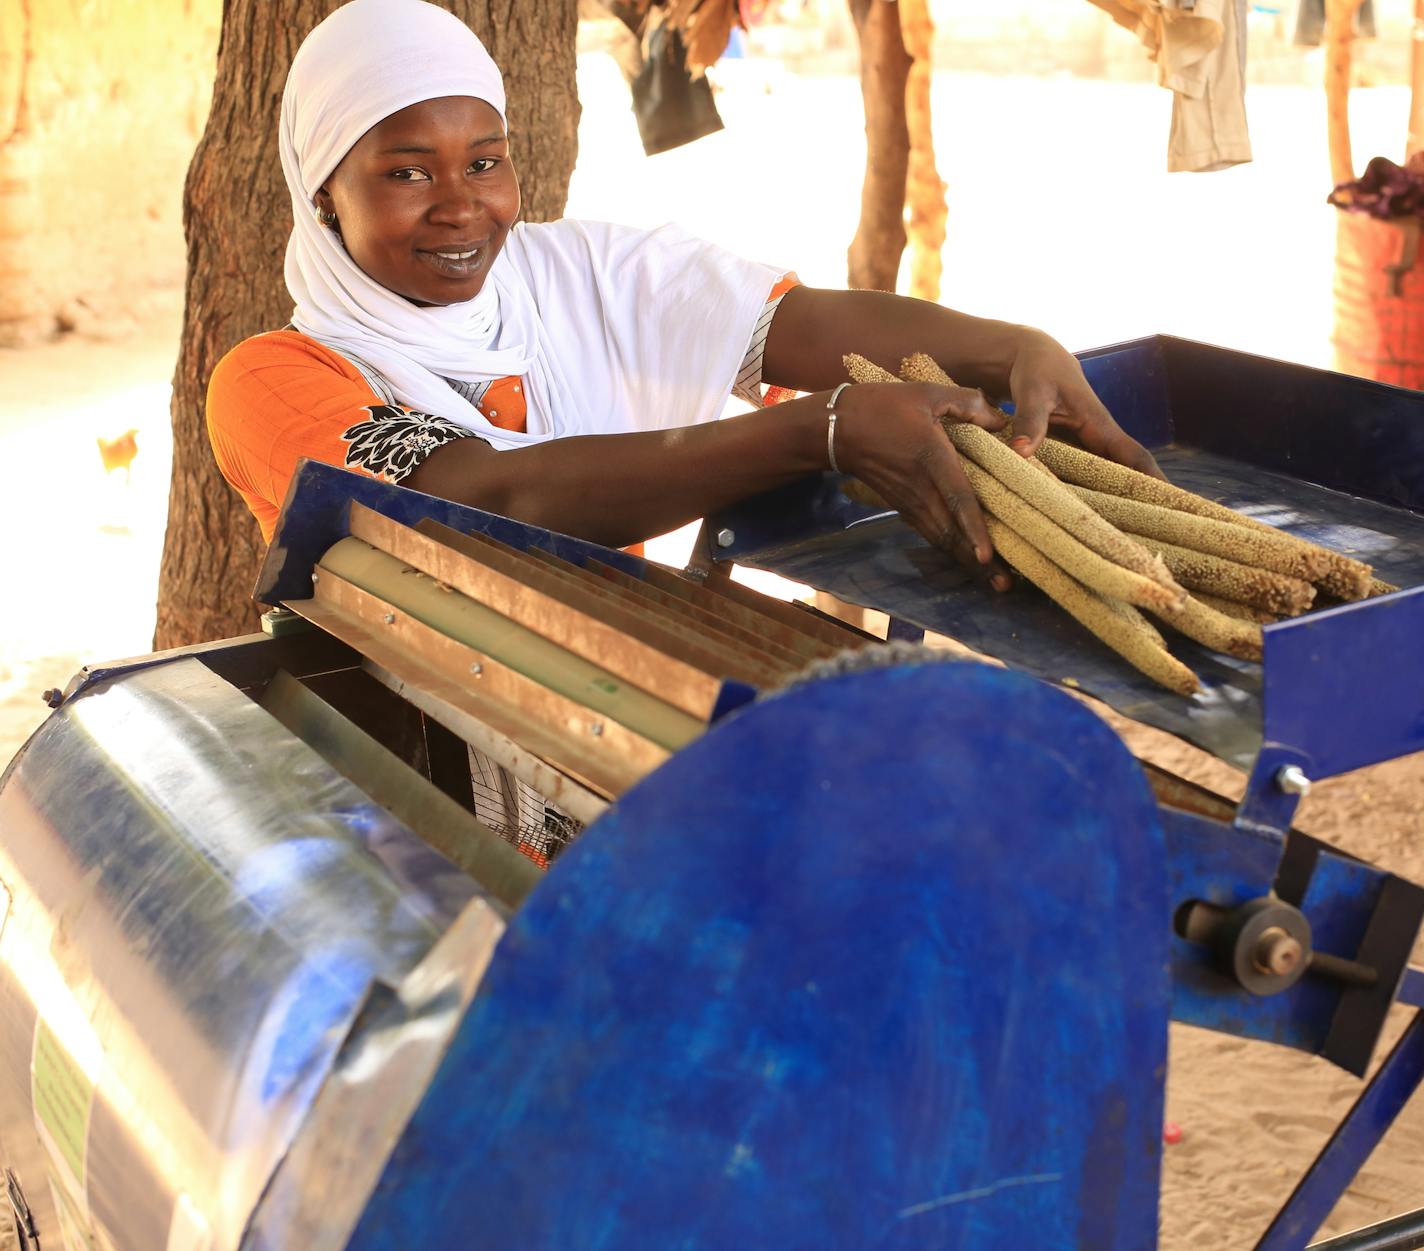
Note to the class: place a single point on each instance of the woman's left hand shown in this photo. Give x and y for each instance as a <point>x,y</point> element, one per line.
<point>1047,386</point>
<point>813,329</point>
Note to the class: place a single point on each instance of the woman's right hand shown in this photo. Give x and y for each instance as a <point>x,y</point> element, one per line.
<point>888,434</point>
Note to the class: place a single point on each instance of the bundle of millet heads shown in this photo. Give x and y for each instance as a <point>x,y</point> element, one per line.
<point>1107,543</point>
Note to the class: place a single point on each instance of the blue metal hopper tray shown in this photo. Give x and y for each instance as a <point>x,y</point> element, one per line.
<point>1334,459</point>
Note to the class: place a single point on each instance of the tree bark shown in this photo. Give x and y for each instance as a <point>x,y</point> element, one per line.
<point>1416,140</point>
<point>237,216</point>
<point>1339,35</point>
<point>1416,86</point>
<point>874,256</point>
<point>924,188</point>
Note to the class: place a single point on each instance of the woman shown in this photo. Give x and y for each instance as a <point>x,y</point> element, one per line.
<point>571,374</point>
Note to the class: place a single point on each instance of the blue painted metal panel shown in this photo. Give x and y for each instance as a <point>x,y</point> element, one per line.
<point>1225,865</point>
<point>316,514</point>
<point>1349,434</point>
<point>769,526</point>
<point>1411,988</point>
<point>1131,379</point>
<point>1345,687</point>
<point>901,981</point>
<point>1349,1147</point>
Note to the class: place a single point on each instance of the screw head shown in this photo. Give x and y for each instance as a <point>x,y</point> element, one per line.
<point>596,729</point>
<point>1292,780</point>
<point>389,618</point>
<point>725,538</point>
<point>1276,952</point>
<point>477,668</point>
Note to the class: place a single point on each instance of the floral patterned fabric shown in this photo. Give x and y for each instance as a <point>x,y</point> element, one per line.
<point>395,440</point>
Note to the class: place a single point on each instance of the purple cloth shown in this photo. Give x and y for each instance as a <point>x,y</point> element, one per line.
<point>1385,190</point>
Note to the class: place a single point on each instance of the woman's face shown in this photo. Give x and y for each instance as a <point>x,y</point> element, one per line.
<point>425,199</point>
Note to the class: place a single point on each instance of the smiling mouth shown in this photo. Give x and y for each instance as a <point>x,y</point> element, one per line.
<point>458,261</point>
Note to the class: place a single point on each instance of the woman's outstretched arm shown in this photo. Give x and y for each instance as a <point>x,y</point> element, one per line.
<point>617,489</point>
<point>814,328</point>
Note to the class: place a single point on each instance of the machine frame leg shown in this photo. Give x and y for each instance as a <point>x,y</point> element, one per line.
<point>1349,1147</point>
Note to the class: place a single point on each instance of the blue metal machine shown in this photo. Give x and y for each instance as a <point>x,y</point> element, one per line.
<point>884,958</point>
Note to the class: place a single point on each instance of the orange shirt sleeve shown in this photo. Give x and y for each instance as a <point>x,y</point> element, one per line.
<point>771,394</point>
<point>279,397</point>
<point>782,286</point>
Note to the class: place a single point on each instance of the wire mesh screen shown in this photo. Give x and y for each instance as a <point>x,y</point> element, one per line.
<point>518,813</point>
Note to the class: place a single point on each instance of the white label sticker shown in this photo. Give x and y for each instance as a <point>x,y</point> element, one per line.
<point>63,1097</point>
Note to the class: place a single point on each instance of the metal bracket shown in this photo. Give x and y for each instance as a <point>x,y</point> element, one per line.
<point>1389,938</point>
<point>277,622</point>
<point>904,631</point>
<point>1296,867</point>
<point>1372,976</point>
<point>1279,778</point>
<point>702,561</point>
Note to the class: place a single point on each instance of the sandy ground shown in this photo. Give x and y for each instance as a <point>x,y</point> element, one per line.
<point>81,546</point>
<point>1061,215</point>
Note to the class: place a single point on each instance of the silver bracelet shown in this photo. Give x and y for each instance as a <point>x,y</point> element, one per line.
<point>831,426</point>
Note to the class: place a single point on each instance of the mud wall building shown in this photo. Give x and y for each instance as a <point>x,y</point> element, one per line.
<point>101,104</point>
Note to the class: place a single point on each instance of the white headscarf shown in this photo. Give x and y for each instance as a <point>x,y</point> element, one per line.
<point>579,309</point>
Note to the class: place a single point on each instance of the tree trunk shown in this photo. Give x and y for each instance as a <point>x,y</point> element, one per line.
<point>1416,140</point>
<point>1339,35</point>
<point>237,217</point>
<point>1416,86</point>
<point>924,189</point>
<point>884,70</point>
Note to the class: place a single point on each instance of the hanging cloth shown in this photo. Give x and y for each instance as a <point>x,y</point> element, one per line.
<point>1200,50</point>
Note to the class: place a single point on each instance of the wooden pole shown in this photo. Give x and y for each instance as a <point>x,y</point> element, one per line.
<point>1416,95</point>
<point>1339,34</point>
<point>924,189</point>
<point>874,254</point>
